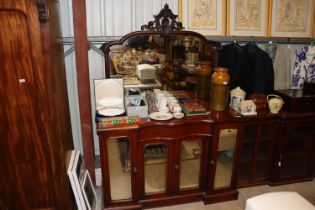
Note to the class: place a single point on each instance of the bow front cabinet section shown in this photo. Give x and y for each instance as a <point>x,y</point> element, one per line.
<point>295,156</point>
<point>155,163</point>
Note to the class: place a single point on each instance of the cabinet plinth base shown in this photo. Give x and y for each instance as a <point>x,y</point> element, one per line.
<point>220,197</point>
<point>173,200</point>
<point>123,207</point>
<point>291,181</point>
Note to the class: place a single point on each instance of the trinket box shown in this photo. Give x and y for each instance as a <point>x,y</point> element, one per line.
<point>247,107</point>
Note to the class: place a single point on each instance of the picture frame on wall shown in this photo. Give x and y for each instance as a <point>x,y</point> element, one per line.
<point>247,18</point>
<point>207,17</point>
<point>292,18</point>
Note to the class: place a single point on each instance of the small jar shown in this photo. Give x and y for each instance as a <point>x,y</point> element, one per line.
<point>236,95</point>
<point>219,95</point>
<point>203,75</point>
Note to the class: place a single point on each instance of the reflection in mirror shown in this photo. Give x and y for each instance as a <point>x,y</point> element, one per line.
<point>190,157</point>
<point>119,168</point>
<point>174,54</point>
<point>225,158</point>
<point>174,58</point>
<point>155,168</point>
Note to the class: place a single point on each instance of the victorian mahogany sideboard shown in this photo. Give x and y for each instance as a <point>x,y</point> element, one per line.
<point>156,163</point>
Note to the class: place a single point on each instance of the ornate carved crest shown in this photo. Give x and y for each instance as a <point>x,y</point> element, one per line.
<point>165,22</point>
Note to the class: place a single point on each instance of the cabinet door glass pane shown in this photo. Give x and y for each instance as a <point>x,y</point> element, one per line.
<point>155,168</point>
<point>119,168</point>
<point>297,151</point>
<point>190,153</point>
<point>225,158</point>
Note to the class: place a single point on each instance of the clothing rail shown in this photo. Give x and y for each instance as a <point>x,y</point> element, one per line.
<point>277,40</point>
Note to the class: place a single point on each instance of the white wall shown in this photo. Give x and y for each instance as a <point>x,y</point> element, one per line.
<point>113,18</point>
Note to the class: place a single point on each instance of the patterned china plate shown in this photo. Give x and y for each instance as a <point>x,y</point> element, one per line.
<point>161,116</point>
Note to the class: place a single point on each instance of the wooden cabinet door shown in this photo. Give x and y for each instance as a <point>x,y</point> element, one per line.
<point>173,167</point>
<point>294,160</point>
<point>34,122</point>
<point>22,117</point>
<point>119,168</point>
<point>190,164</point>
<point>256,153</point>
<point>222,171</point>
<point>156,168</point>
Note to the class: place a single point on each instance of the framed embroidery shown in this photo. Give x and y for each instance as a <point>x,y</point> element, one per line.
<point>207,17</point>
<point>247,18</point>
<point>292,18</point>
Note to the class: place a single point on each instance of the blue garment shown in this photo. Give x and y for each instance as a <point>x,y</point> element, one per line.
<point>304,67</point>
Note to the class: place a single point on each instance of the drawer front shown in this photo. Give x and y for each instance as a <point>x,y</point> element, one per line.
<point>175,131</point>
<point>299,105</point>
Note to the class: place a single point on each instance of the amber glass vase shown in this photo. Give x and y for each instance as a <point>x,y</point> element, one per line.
<point>203,75</point>
<point>219,95</point>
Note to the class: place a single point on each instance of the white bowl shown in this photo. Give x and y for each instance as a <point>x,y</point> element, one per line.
<point>178,115</point>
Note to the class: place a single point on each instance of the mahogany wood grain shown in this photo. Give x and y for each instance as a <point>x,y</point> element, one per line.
<point>82,66</point>
<point>34,127</point>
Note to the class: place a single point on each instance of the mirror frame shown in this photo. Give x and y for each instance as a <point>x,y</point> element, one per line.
<point>164,25</point>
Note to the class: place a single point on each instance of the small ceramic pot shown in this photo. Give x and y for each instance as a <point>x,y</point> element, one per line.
<point>275,103</point>
<point>236,95</point>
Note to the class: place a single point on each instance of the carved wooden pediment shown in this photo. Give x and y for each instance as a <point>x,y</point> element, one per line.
<point>165,22</point>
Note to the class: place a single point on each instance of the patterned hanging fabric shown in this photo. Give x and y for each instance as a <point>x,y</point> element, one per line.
<point>304,67</point>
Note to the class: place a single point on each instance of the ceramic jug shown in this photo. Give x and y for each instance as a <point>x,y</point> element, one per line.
<point>275,103</point>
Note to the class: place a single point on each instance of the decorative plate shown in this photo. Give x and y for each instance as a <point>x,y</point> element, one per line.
<point>161,116</point>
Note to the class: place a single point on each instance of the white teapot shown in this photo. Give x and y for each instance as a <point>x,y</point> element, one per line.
<point>275,103</point>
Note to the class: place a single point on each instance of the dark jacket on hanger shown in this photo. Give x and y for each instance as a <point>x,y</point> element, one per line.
<point>250,68</point>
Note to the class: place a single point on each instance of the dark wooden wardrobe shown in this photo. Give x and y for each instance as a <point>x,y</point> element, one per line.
<point>35,129</point>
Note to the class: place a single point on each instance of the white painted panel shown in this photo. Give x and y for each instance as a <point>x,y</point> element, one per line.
<point>96,67</point>
<point>126,15</point>
<point>119,17</point>
<point>145,9</point>
<point>71,76</point>
<point>173,5</point>
<point>66,18</point>
<point>94,17</point>
<point>109,18</point>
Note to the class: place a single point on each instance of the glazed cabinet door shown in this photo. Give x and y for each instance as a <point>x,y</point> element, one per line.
<point>119,169</point>
<point>172,167</point>
<point>295,157</point>
<point>190,164</point>
<point>222,163</point>
<point>255,162</point>
<point>157,167</point>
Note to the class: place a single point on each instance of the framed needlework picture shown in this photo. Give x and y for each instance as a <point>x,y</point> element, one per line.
<point>248,18</point>
<point>292,18</point>
<point>203,16</point>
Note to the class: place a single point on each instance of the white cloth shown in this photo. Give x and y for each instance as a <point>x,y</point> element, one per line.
<point>278,201</point>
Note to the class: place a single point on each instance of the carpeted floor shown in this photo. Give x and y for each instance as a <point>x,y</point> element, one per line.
<point>306,189</point>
